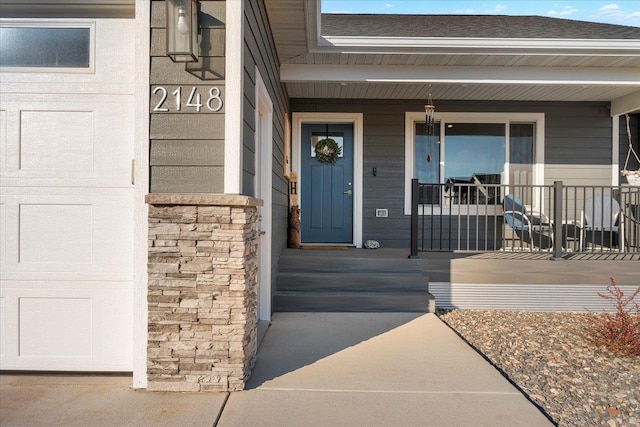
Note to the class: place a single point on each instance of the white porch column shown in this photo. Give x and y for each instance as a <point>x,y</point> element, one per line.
<point>234,72</point>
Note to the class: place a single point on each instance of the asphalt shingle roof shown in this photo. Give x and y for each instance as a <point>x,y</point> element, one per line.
<point>471,26</point>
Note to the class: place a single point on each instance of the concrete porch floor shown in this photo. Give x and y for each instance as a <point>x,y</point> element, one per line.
<point>491,280</point>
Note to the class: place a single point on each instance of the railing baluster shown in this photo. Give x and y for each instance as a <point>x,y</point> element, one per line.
<point>453,223</point>
<point>557,219</point>
<point>415,188</point>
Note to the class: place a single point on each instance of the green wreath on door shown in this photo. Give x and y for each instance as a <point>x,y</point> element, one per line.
<point>328,151</point>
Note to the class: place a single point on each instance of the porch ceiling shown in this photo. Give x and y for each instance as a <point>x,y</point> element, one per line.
<point>315,66</point>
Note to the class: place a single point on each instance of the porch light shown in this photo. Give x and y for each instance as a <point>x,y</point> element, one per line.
<point>182,30</point>
<point>429,111</point>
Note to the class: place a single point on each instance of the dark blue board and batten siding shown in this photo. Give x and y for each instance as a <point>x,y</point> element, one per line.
<point>577,149</point>
<point>259,51</point>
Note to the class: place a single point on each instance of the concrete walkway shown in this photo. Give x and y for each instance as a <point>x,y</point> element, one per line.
<point>313,369</point>
<point>366,369</point>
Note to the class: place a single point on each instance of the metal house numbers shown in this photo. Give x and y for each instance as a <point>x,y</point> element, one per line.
<point>212,100</point>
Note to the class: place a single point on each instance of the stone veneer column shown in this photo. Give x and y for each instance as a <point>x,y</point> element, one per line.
<point>202,292</point>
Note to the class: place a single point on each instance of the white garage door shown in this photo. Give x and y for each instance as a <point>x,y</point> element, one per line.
<point>66,208</point>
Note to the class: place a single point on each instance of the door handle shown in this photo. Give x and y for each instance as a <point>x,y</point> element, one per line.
<point>349,192</point>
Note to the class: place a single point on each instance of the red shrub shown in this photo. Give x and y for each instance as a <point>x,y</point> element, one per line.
<point>619,332</point>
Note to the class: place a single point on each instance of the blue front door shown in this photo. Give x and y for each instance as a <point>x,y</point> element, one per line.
<point>327,189</point>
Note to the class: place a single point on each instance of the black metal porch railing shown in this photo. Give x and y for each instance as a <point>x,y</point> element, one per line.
<point>557,219</point>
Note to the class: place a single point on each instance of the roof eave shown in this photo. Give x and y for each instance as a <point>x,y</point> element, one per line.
<point>482,46</point>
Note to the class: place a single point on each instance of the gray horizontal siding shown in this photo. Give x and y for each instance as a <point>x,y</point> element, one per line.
<point>212,14</point>
<point>187,146</point>
<point>577,134</point>
<point>260,52</point>
<point>187,126</point>
<point>214,48</point>
<point>187,179</point>
<point>201,152</point>
<point>166,72</point>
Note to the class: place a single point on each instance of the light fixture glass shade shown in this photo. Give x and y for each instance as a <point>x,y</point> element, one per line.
<point>182,30</point>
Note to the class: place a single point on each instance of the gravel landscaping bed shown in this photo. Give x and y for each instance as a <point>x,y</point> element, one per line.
<point>547,357</point>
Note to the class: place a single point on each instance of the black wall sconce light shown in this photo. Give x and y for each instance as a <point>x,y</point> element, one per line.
<point>182,30</point>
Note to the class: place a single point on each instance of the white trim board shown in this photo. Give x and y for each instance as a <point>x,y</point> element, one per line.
<point>466,45</point>
<point>141,188</point>
<point>234,97</point>
<point>615,150</point>
<point>263,190</point>
<point>626,104</point>
<point>298,119</point>
<point>459,74</point>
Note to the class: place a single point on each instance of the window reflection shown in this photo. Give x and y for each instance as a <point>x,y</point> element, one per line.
<point>472,163</point>
<point>45,47</point>
<point>474,149</point>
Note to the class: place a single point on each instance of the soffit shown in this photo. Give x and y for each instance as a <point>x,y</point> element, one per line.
<point>291,21</point>
<point>485,92</point>
<point>610,47</point>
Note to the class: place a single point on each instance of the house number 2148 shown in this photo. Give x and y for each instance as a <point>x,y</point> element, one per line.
<point>213,102</point>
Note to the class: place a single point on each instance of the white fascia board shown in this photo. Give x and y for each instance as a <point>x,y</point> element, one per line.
<point>313,22</point>
<point>478,46</point>
<point>459,74</point>
<point>626,104</point>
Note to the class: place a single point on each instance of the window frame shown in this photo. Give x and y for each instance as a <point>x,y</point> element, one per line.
<point>55,23</point>
<point>411,118</point>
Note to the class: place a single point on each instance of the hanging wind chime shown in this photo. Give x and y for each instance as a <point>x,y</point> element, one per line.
<point>429,111</point>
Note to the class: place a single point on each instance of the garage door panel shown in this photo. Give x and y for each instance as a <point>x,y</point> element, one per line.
<point>85,138</point>
<point>52,141</point>
<point>44,333</point>
<point>114,65</point>
<point>72,234</point>
<point>55,234</point>
<point>3,327</point>
<point>3,139</point>
<point>66,209</point>
<point>3,235</point>
<point>93,334</point>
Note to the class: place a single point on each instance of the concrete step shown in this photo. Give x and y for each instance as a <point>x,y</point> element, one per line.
<point>418,302</point>
<point>352,281</point>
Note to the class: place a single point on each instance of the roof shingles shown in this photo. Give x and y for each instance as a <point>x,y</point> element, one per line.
<point>471,26</point>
